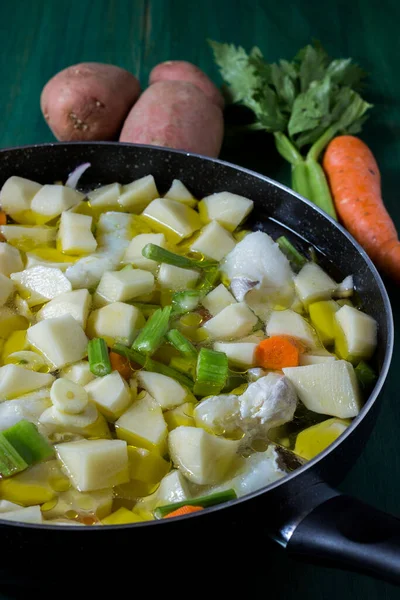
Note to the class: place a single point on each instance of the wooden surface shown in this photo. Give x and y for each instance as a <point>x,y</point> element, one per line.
<point>40,37</point>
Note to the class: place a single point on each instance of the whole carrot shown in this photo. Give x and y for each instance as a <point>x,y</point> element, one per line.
<point>355,182</point>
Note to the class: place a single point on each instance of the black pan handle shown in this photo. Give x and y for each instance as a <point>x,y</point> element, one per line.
<point>341,531</point>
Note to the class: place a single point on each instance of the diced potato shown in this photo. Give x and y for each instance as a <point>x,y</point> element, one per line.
<point>79,372</point>
<point>329,388</point>
<point>213,241</point>
<point>75,235</point>
<point>313,284</point>
<point>31,514</point>
<point>119,286</point>
<point>111,395</point>
<point>105,197</point>
<point>218,299</point>
<point>117,224</point>
<point>174,487</point>
<point>315,439</point>
<point>179,192</point>
<point>15,381</point>
<point>322,315</point>
<point>10,259</point>
<point>27,237</point>
<point>122,516</point>
<point>98,503</point>
<point>181,415</point>
<point>6,288</point>
<point>40,284</point>
<point>136,196</point>
<point>234,321</point>
<point>146,466</point>
<point>16,197</point>
<point>167,392</point>
<point>143,425</point>
<point>202,457</point>
<point>87,271</point>
<point>288,322</point>
<point>176,279</point>
<point>173,218</point>
<point>76,303</point>
<point>356,334</point>
<point>89,423</point>
<point>52,200</point>
<point>116,322</point>
<point>10,321</point>
<point>226,208</point>
<point>315,359</point>
<point>6,506</point>
<point>29,407</point>
<point>94,464</point>
<point>61,340</point>
<point>33,486</point>
<point>134,254</point>
<point>241,354</point>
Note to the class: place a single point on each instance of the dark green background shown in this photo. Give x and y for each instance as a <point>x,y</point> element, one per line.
<point>40,37</point>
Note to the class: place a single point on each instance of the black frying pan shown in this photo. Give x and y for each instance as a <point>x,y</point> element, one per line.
<point>303,512</point>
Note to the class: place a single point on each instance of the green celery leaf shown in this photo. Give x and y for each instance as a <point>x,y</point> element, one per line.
<point>313,63</point>
<point>357,126</point>
<point>290,69</point>
<point>237,71</point>
<point>310,107</point>
<point>344,72</point>
<point>268,111</point>
<point>354,111</point>
<point>284,87</point>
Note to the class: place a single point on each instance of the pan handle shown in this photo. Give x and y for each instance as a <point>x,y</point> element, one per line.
<point>341,531</point>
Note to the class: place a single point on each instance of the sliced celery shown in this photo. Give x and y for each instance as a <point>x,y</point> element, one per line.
<point>147,310</point>
<point>28,442</point>
<point>160,255</point>
<point>183,365</point>
<point>99,360</point>
<point>211,372</point>
<point>203,501</point>
<point>296,259</point>
<point>366,376</point>
<point>11,462</point>
<point>183,302</point>
<point>156,367</point>
<point>130,354</point>
<point>182,344</point>
<point>153,333</point>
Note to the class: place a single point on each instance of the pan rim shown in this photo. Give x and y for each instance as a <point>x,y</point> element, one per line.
<point>355,423</point>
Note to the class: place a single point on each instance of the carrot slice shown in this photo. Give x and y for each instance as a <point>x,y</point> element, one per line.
<point>277,352</point>
<point>183,510</point>
<point>121,364</point>
<point>3,218</point>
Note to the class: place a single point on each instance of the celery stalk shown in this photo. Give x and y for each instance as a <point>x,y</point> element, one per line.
<point>182,344</point>
<point>11,462</point>
<point>28,442</point>
<point>160,255</point>
<point>156,367</point>
<point>99,360</point>
<point>211,372</point>
<point>153,333</point>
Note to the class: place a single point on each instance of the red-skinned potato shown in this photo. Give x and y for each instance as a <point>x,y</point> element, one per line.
<point>88,101</point>
<point>180,70</point>
<point>177,115</point>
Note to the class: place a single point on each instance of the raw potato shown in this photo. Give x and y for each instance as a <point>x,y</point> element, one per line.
<point>180,70</point>
<point>88,101</point>
<point>177,115</point>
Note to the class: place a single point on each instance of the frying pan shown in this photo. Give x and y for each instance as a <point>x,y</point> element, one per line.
<point>303,512</point>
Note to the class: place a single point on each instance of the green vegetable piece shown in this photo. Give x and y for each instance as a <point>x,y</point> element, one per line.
<point>11,462</point>
<point>154,252</point>
<point>366,376</point>
<point>203,501</point>
<point>130,354</point>
<point>182,344</point>
<point>147,310</point>
<point>156,367</point>
<point>153,333</point>
<point>99,360</point>
<point>184,365</point>
<point>296,259</point>
<point>211,372</point>
<point>28,442</point>
<point>211,278</point>
<point>188,301</point>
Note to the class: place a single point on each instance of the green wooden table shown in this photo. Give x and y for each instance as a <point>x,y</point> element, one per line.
<point>40,37</point>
